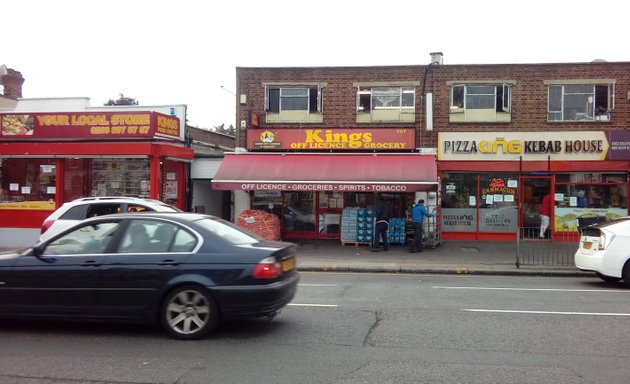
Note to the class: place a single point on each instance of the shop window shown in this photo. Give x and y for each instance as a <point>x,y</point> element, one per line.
<point>486,202</point>
<point>120,177</point>
<point>481,103</point>
<point>31,180</point>
<point>293,104</point>
<point>498,202</point>
<point>268,201</point>
<point>580,102</point>
<point>459,202</point>
<point>576,201</point>
<point>393,104</point>
<point>299,212</point>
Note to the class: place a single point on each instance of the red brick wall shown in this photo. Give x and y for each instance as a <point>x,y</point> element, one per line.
<point>529,97</point>
<point>12,83</point>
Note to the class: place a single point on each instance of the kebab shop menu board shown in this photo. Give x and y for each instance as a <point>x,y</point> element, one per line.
<point>103,125</point>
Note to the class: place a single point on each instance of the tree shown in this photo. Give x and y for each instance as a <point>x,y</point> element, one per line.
<point>123,100</point>
<point>231,131</point>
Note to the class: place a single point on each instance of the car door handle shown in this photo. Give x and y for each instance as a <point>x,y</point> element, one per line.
<point>168,263</point>
<point>90,263</point>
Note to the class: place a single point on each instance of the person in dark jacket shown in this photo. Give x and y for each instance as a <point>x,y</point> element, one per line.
<point>418,213</point>
<point>382,214</point>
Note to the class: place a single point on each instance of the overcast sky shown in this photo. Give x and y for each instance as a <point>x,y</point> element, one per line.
<point>164,52</point>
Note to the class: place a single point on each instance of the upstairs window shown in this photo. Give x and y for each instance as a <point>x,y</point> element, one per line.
<point>386,103</point>
<point>293,103</point>
<point>481,102</point>
<point>580,102</point>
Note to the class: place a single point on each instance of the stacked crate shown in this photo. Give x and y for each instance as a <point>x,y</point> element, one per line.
<point>396,230</point>
<point>357,225</point>
<point>349,225</point>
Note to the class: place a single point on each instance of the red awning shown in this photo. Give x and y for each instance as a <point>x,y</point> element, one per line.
<point>326,172</point>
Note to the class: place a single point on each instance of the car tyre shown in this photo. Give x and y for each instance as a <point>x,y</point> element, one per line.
<point>625,274</point>
<point>189,313</point>
<point>608,279</point>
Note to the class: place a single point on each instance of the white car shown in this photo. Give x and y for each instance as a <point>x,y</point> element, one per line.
<point>605,249</point>
<point>74,211</point>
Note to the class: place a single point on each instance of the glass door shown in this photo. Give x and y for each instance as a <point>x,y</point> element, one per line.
<point>534,188</point>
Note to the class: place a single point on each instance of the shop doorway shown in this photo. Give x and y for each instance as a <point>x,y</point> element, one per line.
<point>533,189</point>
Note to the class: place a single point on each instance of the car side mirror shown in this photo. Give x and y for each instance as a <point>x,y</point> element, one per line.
<point>38,250</point>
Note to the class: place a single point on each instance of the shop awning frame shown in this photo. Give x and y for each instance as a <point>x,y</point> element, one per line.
<point>346,172</point>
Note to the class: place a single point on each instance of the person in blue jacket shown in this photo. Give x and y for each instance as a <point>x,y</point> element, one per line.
<point>418,213</point>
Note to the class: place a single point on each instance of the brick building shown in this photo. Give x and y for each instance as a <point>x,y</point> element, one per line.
<point>482,143</point>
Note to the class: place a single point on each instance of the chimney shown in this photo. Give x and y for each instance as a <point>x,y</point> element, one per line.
<point>12,82</point>
<point>436,58</point>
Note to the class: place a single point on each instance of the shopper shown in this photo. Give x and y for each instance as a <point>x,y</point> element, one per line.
<point>545,214</point>
<point>382,214</point>
<point>418,213</point>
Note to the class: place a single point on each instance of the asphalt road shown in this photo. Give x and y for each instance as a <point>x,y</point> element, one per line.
<point>358,328</point>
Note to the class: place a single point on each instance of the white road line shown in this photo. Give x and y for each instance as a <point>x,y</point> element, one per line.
<point>546,312</point>
<point>535,289</point>
<point>317,285</point>
<point>313,305</point>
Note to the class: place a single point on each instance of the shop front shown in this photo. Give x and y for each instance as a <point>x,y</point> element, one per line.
<point>309,191</point>
<point>492,184</point>
<point>47,159</point>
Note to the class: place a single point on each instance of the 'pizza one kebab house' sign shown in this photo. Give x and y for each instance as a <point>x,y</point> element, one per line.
<point>101,125</point>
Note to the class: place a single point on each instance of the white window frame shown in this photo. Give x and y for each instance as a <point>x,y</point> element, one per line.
<point>309,91</point>
<point>464,88</point>
<point>397,92</point>
<point>590,111</point>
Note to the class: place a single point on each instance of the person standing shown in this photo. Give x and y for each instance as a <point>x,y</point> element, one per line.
<point>418,213</point>
<point>382,213</point>
<point>545,214</point>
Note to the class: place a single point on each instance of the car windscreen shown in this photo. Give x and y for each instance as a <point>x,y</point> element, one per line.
<point>612,222</point>
<point>228,231</point>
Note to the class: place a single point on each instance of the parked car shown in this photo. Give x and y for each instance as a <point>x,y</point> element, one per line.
<point>186,271</point>
<point>74,211</point>
<point>605,249</point>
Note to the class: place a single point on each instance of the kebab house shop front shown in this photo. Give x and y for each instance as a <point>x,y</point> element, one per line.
<point>47,159</point>
<point>493,183</point>
<point>310,191</point>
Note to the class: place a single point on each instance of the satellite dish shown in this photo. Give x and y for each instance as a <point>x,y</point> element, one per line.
<point>599,61</point>
<point>3,70</point>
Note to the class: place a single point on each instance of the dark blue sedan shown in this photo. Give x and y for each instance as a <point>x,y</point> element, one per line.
<point>186,271</point>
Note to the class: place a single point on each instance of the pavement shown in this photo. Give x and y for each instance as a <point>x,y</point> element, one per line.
<point>448,257</point>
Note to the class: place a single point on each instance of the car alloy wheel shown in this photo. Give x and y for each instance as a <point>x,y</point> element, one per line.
<point>189,313</point>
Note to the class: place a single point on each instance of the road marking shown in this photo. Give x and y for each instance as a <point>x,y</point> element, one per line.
<point>546,312</point>
<point>534,289</point>
<point>317,285</point>
<point>313,305</point>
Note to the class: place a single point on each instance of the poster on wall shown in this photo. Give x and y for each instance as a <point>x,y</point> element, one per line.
<point>170,190</point>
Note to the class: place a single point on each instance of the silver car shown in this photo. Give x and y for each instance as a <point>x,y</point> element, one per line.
<point>74,211</point>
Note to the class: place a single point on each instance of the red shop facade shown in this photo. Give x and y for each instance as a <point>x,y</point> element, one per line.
<point>492,184</point>
<point>47,159</point>
<point>308,176</point>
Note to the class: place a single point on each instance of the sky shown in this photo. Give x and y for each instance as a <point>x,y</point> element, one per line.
<point>163,52</point>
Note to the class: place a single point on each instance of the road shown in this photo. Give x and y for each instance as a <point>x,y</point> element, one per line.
<point>358,328</point>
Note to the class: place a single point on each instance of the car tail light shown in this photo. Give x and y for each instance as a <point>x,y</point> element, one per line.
<point>605,238</point>
<point>47,224</point>
<point>267,268</point>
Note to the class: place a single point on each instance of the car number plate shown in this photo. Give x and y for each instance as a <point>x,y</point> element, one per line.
<point>288,264</point>
<point>588,245</point>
